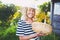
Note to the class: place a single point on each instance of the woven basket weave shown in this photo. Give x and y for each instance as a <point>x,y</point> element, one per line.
<point>41,27</point>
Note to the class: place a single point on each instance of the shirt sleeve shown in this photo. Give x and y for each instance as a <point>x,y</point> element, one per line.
<point>20,30</point>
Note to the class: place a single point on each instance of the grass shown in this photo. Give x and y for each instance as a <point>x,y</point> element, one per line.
<point>8,33</point>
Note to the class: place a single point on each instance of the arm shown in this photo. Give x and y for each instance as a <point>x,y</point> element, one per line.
<point>31,36</point>
<point>28,37</point>
<point>41,34</point>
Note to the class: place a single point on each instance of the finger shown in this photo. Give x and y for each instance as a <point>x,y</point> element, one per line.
<point>41,32</point>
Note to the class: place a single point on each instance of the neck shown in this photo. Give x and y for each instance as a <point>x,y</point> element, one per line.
<point>30,19</point>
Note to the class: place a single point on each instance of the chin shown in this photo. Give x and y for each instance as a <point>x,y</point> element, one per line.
<point>30,17</point>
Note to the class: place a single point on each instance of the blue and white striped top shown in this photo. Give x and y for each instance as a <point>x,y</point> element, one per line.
<point>24,29</point>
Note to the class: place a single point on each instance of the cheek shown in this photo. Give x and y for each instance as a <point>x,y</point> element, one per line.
<point>33,14</point>
<point>30,14</point>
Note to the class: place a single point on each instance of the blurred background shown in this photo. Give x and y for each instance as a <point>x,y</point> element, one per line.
<point>10,14</point>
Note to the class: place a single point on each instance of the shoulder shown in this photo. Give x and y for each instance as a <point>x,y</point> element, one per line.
<point>21,21</point>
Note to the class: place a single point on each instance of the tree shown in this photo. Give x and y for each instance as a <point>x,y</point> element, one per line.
<point>43,14</point>
<point>45,7</point>
<point>6,12</point>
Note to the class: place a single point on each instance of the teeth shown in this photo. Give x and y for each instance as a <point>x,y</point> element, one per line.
<point>30,15</point>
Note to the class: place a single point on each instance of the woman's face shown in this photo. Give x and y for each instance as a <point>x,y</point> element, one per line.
<point>30,12</point>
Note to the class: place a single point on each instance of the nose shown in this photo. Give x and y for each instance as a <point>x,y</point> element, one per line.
<point>31,12</point>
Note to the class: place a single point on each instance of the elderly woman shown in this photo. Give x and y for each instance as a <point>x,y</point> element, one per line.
<point>24,29</point>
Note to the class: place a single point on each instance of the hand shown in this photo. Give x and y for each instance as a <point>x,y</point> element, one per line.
<point>41,34</point>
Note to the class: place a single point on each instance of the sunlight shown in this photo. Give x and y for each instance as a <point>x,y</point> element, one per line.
<point>24,2</point>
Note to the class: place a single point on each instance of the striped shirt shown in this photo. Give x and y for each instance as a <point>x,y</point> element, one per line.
<point>24,29</point>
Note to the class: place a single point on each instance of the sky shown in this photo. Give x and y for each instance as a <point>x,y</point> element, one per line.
<point>24,2</point>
